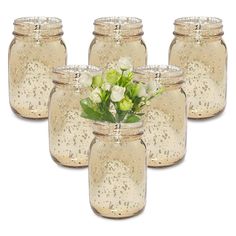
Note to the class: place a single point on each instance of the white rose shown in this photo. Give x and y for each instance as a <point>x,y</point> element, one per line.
<point>106,86</point>
<point>85,80</point>
<point>125,63</point>
<point>152,87</point>
<point>142,91</point>
<point>117,93</point>
<point>95,95</point>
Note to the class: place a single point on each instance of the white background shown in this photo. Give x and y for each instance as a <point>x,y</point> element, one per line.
<point>197,197</point>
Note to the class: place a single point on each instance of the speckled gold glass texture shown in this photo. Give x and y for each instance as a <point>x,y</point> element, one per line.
<point>117,37</point>
<point>70,135</point>
<point>166,116</point>
<point>117,170</point>
<point>198,48</point>
<point>36,48</point>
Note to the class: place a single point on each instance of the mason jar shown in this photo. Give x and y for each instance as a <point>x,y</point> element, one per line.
<point>37,47</point>
<point>117,170</point>
<point>115,38</point>
<point>166,115</point>
<point>198,48</point>
<point>70,135</point>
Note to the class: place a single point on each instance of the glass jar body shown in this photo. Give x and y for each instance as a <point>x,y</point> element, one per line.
<point>166,127</point>
<point>204,62</point>
<point>70,135</point>
<point>117,176</point>
<point>30,74</point>
<point>103,51</point>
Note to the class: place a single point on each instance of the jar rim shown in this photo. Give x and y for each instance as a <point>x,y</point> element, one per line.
<point>38,27</point>
<point>123,21</point>
<point>164,74</point>
<point>198,27</point>
<point>121,125</point>
<point>36,21</point>
<point>118,129</point>
<point>118,27</point>
<point>70,74</point>
<point>201,21</point>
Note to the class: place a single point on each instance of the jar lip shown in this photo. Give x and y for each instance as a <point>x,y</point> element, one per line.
<point>198,27</point>
<point>71,73</point>
<point>123,21</point>
<point>197,22</point>
<point>118,28</point>
<point>127,126</point>
<point>118,129</point>
<point>164,74</point>
<point>36,22</point>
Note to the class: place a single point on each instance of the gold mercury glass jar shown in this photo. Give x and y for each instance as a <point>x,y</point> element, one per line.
<point>117,170</point>
<point>117,37</point>
<point>70,135</point>
<point>166,115</point>
<point>199,50</point>
<point>35,49</point>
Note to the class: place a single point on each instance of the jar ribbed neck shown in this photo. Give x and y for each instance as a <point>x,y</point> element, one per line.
<point>118,27</point>
<point>204,27</point>
<point>38,27</point>
<point>118,131</point>
<point>71,74</point>
<point>165,75</point>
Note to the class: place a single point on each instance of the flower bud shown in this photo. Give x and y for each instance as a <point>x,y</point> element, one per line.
<point>125,104</point>
<point>85,80</point>
<point>117,93</point>
<point>106,86</point>
<point>95,95</point>
<point>97,81</point>
<point>142,91</point>
<point>125,63</point>
<point>112,76</point>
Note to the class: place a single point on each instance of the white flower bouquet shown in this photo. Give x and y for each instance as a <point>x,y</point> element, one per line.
<point>115,96</point>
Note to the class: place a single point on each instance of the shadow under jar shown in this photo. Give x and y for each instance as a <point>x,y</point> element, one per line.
<point>115,38</point>
<point>165,119</point>
<point>198,48</point>
<point>36,48</point>
<point>117,170</point>
<point>70,135</point>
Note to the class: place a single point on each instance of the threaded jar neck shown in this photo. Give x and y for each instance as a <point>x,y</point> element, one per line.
<point>165,75</point>
<point>118,131</point>
<point>118,27</point>
<point>38,27</point>
<point>72,74</point>
<point>203,27</point>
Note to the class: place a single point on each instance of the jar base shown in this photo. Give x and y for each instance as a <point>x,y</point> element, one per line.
<point>199,116</point>
<point>160,165</point>
<point>118,217</point>
<point>69,165</point>
<point>18,114</point>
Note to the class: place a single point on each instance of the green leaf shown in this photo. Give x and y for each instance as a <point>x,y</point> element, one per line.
<point>133,89</point>
<point>140,114</point>
<point>132,119</point>
<point>107,116</point>
<point>125,79</point>
<point>120,115</point>
<point>137,102</point>
<point>89,110</point>
<point>96,112</point>
<point>105,95</point>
